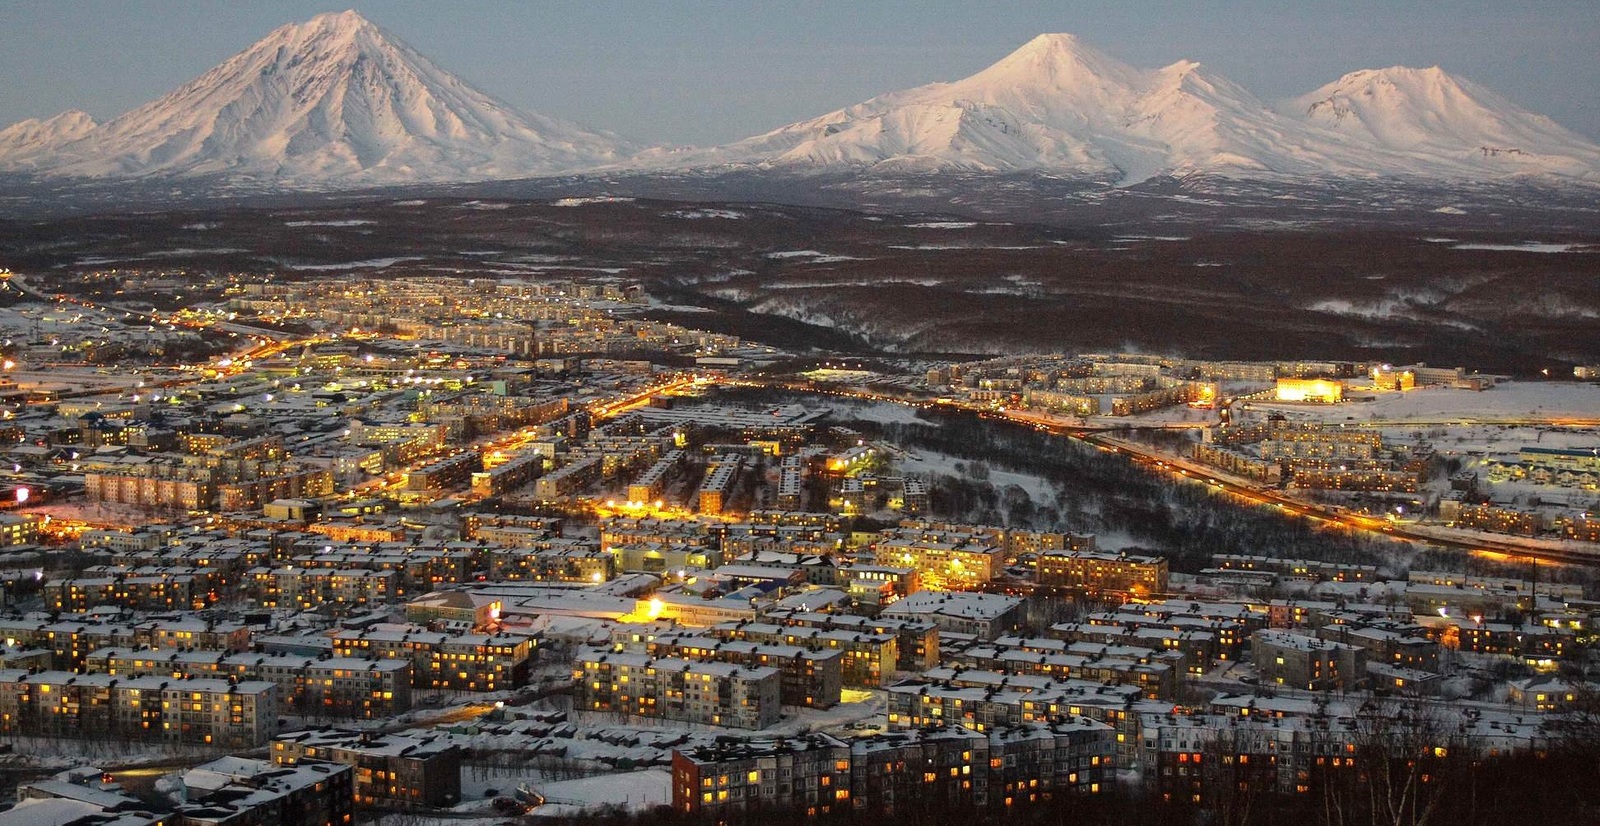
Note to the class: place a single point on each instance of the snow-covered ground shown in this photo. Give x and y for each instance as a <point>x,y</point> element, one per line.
<point>931,463</point>
<point>811,256</point>
<point>692,214</point>
<point>368,264</point>
<point>1509,401</point>
<point>633,791</point>
<point>593,199</point>
<point>1526,246</point>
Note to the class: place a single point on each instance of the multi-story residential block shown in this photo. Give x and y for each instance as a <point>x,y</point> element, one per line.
<point>985,616</point>
<point>716,490</point>
<point>1102,571</point>
<point>508,476</point>
<point>1198,646</point>
<point>916,640</point>
<point>811,679</point>
<point>202,711</point>
<point>445,474</point>
<point>941,768</point>
<point>70,642</point>
<point>565,560</point>
<point>1154,672</point>
<point>1401,647</point>
<point>339,687</point>
<point>312,588</point>
<point>569,478</point>
<point>169,590</point>
<point>869,657</point>
<point>941,560</point>
<point>1307,662</point>
<point>441,660</point>
<point>649,485</point>
<point>735,775</point>
<point>710,693</point>
<point>1307,569</point>
<point>19,529</point>
<point>391,770</point>
<point>239,791</point>
<point>417,569</point>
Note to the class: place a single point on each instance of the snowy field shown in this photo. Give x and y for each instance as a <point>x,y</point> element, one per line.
<point>633,791</point>
<point>1508,402</point>
<point>930,463</point>
<point>369,264</point>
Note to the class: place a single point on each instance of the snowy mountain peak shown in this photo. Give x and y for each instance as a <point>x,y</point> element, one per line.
<point>1436,117</point>
<point>347,20</point>
<point>27,144</point>
<point>1059,104</point>
<point>336,101</point>
<point>67,126</point>
<point>1057,64</point>
<point>1053,51</point>
<point>329,33</point>
<point>331,100</point>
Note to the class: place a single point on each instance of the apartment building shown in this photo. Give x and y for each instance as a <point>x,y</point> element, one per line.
<point>869,658</point>
<point>985,616</point>
<point>185,591</point>
<point>338,687</point>
<point>508,476</point>
<point>1104,571</point>
<point>70,642</point>
<point>390,770</point>
<point>239,791</point>
<point>716,491</point>
<point>309,589</point>
<point>916,640</point>
<point>440,660</point>
<point>573,560</point>
<point>1154,672</point>
<point>1308,662</point>
<point>102,706</point>
<point>929,770</point>
<point>569,478</point>
<point>736,775</point>
<point>941,561</point>
<point>941,769</point>
<point>811,679</point>
<point>709,693</point>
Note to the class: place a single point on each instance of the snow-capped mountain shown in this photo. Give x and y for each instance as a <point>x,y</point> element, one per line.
<point>336,102</point>
<point>1428,115</point>
<point>1048,104</point>
<point>1058,105</point>
<point>333,100</point>
<point>33,140</point>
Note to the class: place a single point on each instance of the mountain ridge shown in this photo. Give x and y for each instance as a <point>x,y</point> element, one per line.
<point>1058,104</point>
<point>334,98</point>
<point>336,102</point>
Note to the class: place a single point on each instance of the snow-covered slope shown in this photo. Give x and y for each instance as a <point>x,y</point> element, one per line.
<point>1048,104</point>
<point>1434,119</point>
<point>31,142</point>
<point>333,100</point>
<point>1059,105</point>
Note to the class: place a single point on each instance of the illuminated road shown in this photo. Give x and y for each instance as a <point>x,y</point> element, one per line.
<point>1185,470</point>
<point>1156,460</point>
<point>617,407</point>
